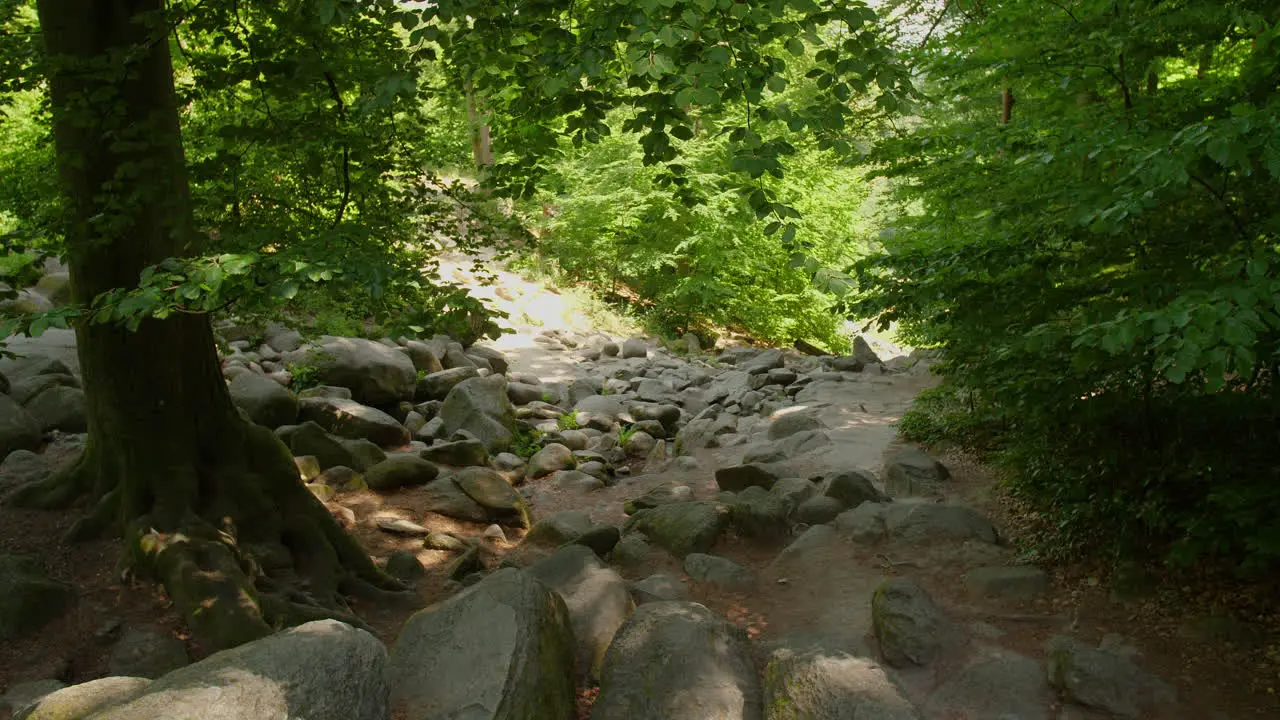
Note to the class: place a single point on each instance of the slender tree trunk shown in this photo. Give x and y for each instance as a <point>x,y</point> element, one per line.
<point>1006,105</point>
<point>169,463</point>
<point>481,134</point>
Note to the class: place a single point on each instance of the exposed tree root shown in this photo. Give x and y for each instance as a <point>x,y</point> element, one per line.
<point>241,547</point>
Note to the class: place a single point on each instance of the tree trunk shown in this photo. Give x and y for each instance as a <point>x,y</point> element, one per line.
<point>196,490</point>
<point>481,134</point>
<point>1006,105</point>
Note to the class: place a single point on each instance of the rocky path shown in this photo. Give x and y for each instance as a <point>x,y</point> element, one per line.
<point>602,527</point>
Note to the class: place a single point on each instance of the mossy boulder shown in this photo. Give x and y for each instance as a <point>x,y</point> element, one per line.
<point>684,527</point>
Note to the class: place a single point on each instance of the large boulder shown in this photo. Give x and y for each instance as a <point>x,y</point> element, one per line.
<point>59,407</point>
<point>376,374</point>
<point>677,659</point>
<point>792,421</point>
<point>913,473</point>
<point>852,488</point>
<point>683,527</point>
<point>552,458</point>
<point>703,433</point>
<point>815,684</point>
<point>908,625</point>
<point>559,528</point>
<point>495,358</point>
<point>311,439</point>
<point>492,492</point>
<point>81,701</point>
<point>424,360</point>
<point>350,419</point>
<point>934,522</point>
<point>29,598</point>
<point>400,471</point>
<point>736,478</point>
<point>480,407</point>
<point>18,429</point>
<point>53,352</point>
<point>436,385</point>
<point>719,571</point>
<point>323,670</point>
<point>596,596</point>
<point>760,514</point>
<point>461,453</point>
<point>502,649</point>
<point>1104,681</point>
<point>266,401</point>
<point>444,497</point>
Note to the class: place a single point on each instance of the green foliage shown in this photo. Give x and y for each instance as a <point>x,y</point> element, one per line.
<point>568,421</point>
<point>527,442</point>
<point>625,433</point>
<point>303,376</point>
<point>1102,272</point>
<point>714,264</point>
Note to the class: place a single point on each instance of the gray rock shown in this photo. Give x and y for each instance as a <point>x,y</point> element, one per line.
<point>1007,685</point>
<point>764,362</point>
<point>610,349</point>
<point>423,359</point>
<point>480,407</point>
<point>907,624</point>
<point>1014,582</point>
<point>329,391</point>
<point>27,388</point>
<point>550,459</point>
<point>350,419</point>
<point>601,539</point>
<point>53,353</point>
<point>455,357</point>
<point>633,348</point>
<point>83,700</point>
<point>933,522</point>
<point>364,454</point>
<point>508,462</point>
<point>21,695</point>
<point>817,684</point>
<point>496,359</point>
<point>400,471</point>
<point>1104,681</point>
<point>818,510</point>
<point>760,515</point>
<point>914,473</point>
<point>863,353</point>
<point>444,541</point>
<point>311,439</point>
<point>718,571</point>
<point>787,423</point>
<point>852,488</point>
<point>492,492</point>
<point>502,649</point>
<point>443,496</point>
<point>400,526</point>
<point>18,429</point>
<point>816,537</point>
<point>678,660</point>
<point>668,415</point>
<point>405,566</point>
<point>267,402</point>
<point>460,453</point>
<point>147,653</point>
<point>559,528</point>
<point>375,374</point>
<point>632,550</point>
<point>323,670</point>
<point>436,385</point>
<point>684,527</point>
<point>29,598</point>
<point>663,494</point>
<point>595,596</point>
<point>432,431</point>
<point>739,477</point>
<point>574,480</point>
<point>847,364</point>
<point>793,492</point>
<point>864,524</point>
<point>657,588</point>
<point>524,393</point>
<point>59,408</point>
<point>281,338</point>
<point>700,434</point>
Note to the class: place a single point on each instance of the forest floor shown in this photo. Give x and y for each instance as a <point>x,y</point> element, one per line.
<point>823,593</point>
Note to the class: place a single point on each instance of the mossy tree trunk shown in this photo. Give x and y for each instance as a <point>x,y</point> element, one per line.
<point>208,503</point>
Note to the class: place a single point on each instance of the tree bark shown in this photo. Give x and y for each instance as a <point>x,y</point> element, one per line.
<point>1006,105</point>
<point>481,134</point>
<point>197,491</point>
